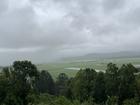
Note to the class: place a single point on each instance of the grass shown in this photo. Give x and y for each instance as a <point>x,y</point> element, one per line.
<point>56,68</point>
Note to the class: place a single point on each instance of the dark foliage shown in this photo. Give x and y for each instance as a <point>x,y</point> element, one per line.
<point>45,83</point>
<point>20,84</point>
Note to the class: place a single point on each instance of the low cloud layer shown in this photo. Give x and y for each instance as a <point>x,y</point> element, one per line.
<point>45,30</point>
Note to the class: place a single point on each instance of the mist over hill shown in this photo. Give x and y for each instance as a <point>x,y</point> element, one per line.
<point>93,56</point>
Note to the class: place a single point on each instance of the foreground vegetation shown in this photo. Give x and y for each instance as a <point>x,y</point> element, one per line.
<point>23,84</point>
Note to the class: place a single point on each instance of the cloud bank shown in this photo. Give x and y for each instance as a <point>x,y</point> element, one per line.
<point>45,30</point>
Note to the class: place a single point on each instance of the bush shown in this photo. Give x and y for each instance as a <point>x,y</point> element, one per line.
<point>131,102</point>
<point>112,100</point>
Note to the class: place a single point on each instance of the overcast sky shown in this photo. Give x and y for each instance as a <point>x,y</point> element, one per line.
<point>43,30</point>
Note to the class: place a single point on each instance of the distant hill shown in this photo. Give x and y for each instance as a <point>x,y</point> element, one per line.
<point>92,56</point>
<point>113,55</point>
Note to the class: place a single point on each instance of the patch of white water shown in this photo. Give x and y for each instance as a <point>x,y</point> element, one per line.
<point>72,68</point>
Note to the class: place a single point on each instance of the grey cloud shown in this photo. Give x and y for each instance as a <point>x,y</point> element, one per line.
<point>42,30</point>
<point>132,18</point>
<point>110,5</point>
<point>14,26</point>
<point>3,6</point>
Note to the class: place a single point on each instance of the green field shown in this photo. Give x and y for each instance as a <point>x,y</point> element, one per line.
<point>99,64</point>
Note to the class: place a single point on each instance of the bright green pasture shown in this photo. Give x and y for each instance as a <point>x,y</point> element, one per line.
<point>99,64</point>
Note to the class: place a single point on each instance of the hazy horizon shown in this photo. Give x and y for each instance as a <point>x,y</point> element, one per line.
<point>46,30</point>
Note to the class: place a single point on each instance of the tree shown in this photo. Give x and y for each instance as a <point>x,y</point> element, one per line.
<point>45,83</point>
<point>131,102</point>
<point>3,88</point>
<point>138,86</point>
<point>83,84</point>
<point>24,70</point>
<point>113,100</point>
<point>61,84</point>
<point>127,83</point>
<point>6,72</point>
<point>21,83</point>
<point>99,88</point>
<point>112,81</point>
<point>68,92</point>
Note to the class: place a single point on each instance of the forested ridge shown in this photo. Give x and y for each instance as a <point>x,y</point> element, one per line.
<point>24,84</point>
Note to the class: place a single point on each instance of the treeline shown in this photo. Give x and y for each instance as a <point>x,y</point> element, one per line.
<point>23,84</point>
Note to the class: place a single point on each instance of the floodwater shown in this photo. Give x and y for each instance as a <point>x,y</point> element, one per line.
<point>72,68</point>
